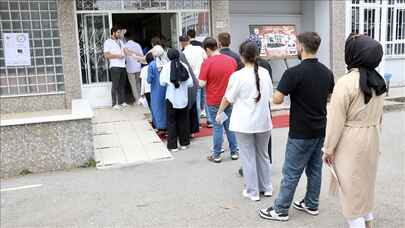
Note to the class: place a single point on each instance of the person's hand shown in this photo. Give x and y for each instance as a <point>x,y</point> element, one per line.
<point>218,118</point>
<point>328,158</point>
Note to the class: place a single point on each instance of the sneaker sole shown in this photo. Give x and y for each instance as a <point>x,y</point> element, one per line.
<point>305,210</point>
<point>264,216</point>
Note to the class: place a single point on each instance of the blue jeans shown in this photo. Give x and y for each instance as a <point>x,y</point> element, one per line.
<point>198,100</point>
<point>301,154</point>
<point>218,132</point>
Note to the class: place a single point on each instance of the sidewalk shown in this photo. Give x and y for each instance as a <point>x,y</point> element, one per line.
<point>189,191</point>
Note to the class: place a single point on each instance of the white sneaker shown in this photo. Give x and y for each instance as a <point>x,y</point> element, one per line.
<point>183,147</point>
<point>203,115</point>
<point>173,150</point>
<point>125,105</point>
<point>268,194</point>
<point>247,195</point>
<point>117,107</point>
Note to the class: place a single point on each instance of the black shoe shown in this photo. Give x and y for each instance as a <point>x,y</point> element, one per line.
<point>271,214</point>
<point>300,205</point>
<point>240,171</point>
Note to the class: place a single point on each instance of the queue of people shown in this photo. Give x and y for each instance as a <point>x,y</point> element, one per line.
<point>235,92</point>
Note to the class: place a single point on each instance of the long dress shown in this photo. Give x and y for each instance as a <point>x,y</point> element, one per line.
<point>157,94</point>
<point>352,134</point>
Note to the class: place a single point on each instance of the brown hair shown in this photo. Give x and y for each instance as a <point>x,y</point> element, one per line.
<point>248,50</point>
<point>156,41</point>
<point>225,39</point>
<point>310,41</point>
<point>210,43</point>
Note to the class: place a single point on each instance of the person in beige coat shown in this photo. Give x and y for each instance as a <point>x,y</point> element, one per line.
<point>353,130</point>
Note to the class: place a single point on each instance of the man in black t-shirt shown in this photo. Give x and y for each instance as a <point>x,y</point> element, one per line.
<point>224,39</point>
<point>309,85</point>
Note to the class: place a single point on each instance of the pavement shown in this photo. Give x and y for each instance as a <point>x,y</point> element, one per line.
<point>188,191</point>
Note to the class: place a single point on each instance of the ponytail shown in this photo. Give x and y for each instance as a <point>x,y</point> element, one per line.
<point>256,69</point>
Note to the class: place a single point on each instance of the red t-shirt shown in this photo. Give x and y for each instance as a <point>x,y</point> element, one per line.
<point>217,70</point>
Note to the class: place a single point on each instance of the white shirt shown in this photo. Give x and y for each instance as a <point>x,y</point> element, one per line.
<point>195,56</point>
<point>178,97</point>
<point>145,86</point>
<point>247,115</point>
<point>115,47</point>
<point>133,66</point>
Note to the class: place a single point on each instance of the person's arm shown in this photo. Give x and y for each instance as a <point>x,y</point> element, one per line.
<point>203,75</point>
<point>278,97</point>
<point>224,104</point>
<point>337,115</point>
<point>109,55</point>
<point>285,87</point>
<point>232,91</point>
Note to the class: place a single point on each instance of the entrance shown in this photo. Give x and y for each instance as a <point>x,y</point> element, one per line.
<point>94,29</point>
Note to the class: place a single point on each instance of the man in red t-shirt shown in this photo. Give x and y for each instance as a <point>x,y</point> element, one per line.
<point>214,75</point>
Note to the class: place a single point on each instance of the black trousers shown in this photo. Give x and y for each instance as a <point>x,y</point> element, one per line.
<point>118,78</point>
<point>194,119</point>
<point>178,126</point>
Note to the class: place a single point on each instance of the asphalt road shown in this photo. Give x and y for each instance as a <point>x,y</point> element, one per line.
<point>189,191</point>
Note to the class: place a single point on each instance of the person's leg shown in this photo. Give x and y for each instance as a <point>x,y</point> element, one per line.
<point>193,119</point>
<point>115,78</point>
<point>218,132</point>
<point>147,96</point>
<point>132,82</point>
<point>171,126</point>
<point>369,220</point>
<point>296,158</point>
<point>183,126</point>
<point>269,150</point>
<point>263,162</point>
<point>357,223</point>
<point>314,174</point>
<point>233,143</point>
<point>247,153</point>
<point>198,102</point>
<point>137,93</point>
<point>121,86</point>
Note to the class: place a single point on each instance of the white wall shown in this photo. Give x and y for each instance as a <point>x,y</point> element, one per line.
<point>396,67</point>
<point>307,15</point>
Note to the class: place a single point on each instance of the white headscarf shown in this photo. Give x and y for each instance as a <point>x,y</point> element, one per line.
<point>160,56</point>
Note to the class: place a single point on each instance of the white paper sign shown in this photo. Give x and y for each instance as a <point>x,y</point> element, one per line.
<point>16,49</point>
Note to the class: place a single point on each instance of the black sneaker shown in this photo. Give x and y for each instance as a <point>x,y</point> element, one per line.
<point>271,214</point>
<point>300,205</point>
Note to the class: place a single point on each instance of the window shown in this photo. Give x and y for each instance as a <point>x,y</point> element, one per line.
<point>140,4</point>
<point>367,18</point>
<point>45,74</point>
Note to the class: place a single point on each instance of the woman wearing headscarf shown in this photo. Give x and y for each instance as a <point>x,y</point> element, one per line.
<point>175,76</point>
<point>157,93</point>
<point>352,134</point>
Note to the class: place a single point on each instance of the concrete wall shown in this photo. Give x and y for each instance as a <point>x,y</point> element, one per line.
<point>45,147</point>
<point>338,37</point>
<point>220,16</point>
<point>306,15</point>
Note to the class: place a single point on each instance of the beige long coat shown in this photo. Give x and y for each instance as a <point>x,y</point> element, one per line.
<point>352,134</point>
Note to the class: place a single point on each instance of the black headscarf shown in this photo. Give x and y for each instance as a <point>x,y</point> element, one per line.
<point>178,73</point>
<point>365,53</point>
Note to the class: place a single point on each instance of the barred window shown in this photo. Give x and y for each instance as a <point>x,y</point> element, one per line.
<point>367,17</point>
<point>44,75</point>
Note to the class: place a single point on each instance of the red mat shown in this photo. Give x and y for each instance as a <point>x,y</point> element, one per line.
<point>281,121</point>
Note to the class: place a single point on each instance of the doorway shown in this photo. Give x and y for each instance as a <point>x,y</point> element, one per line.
<point>94,29</point>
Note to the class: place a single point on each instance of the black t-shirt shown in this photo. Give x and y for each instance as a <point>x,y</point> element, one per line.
<point>266,65</point>
<point>196,43</point>
<point>227,51</point>
<point>309,85</point>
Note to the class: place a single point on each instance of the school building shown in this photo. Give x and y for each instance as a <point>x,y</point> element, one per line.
<point>53,73</point>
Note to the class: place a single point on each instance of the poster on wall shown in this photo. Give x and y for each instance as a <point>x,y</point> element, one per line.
<point>16,49</point>
<point>277,41</point>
